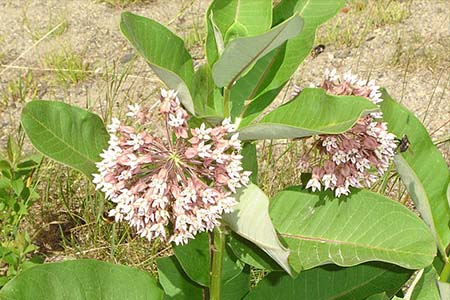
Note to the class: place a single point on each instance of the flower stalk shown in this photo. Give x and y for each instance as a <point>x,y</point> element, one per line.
<point>217,262</point>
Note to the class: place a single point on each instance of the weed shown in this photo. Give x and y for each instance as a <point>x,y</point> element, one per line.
<point>17,194</point>
<point>415,51</point>
<point>19,90</point>
<point>70,67</point>
<point>193,37</point>
<point>360,17</point>
<point>60,23</point>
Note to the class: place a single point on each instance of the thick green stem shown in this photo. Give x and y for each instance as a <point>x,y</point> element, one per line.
<point>226,101</point>
<point>445,274</point>
<point>217,260</point>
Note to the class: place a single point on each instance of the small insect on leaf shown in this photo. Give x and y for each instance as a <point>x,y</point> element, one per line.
<point>403,143</point>
<point>317,50</point>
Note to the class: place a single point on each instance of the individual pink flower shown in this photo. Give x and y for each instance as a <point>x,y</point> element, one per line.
<point>175,186</point>
<point>357,157</point>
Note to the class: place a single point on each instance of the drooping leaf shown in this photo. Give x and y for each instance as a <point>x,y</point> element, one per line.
<point>365,226</point>
<point>251,220</point>
<point>311,112</point>
<point>194,258</point>
<point>233,18</point>
<point>264,81</point>
<point>175,282</point>
<point>80,280</point>
<point>422,169</point>
<point>241,53</point>
<point>68,134</point>
<point>251,254</point>
<point>164,51</point>
<point>448,194</point>
<point>444,290</point>
<point>426,286</point>
<point>332,283</point>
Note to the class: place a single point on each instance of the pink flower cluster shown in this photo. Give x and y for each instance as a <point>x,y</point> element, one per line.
<point>358,156</point>
<point>173,187</point>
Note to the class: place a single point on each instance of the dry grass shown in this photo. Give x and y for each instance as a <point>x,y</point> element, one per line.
<point>70,67</point>
<point>360,17</point>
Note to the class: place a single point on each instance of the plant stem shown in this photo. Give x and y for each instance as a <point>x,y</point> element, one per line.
<point>226,101</point>
<point>445,274</point>
<point>217,260</point>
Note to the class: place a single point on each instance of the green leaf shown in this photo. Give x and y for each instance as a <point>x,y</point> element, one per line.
<point>381,296</point>
<point>81,279</point>
<point>251,254</point>
<point>422,169</point>
<point>235,278</point>
<point>264,81</point>
<point>235,18</point>
<point>164,51</point>
<point>237,287</point>
<point>251,220</point>
<point>206,104</point>
<point>320,229</point>
<point>68,134</point>
<point>175,282</point>
<point>311,112</point>
<point>13,150</point>
<point>332,283</point>
<point>194,258</point>
<point>241,53</point>
<point>424,286</point>
<point>250,161</point>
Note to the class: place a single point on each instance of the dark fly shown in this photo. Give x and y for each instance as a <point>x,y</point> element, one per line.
<point>317,50</point>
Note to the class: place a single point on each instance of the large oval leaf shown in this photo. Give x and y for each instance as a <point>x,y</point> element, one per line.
<point>241,53</point>
<point>253,15</point>
<point>311,112</point>
<point>332,283</point>
<point>251,220</point>
<point>422,169</point>
<point>365,226</point>
<point>65,133</point>
<point>264,81</point>
<point>82,280</point>
<point>164,51</point>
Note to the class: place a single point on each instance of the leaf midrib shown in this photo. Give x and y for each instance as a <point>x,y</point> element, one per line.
<point>59,139</point>
<point>347,243</point>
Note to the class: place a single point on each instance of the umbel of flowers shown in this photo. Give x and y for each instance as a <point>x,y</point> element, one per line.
<point>357,157</point>
<point>175,186</point>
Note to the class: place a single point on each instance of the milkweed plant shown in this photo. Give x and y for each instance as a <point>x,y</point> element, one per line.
<point>192,180</point>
